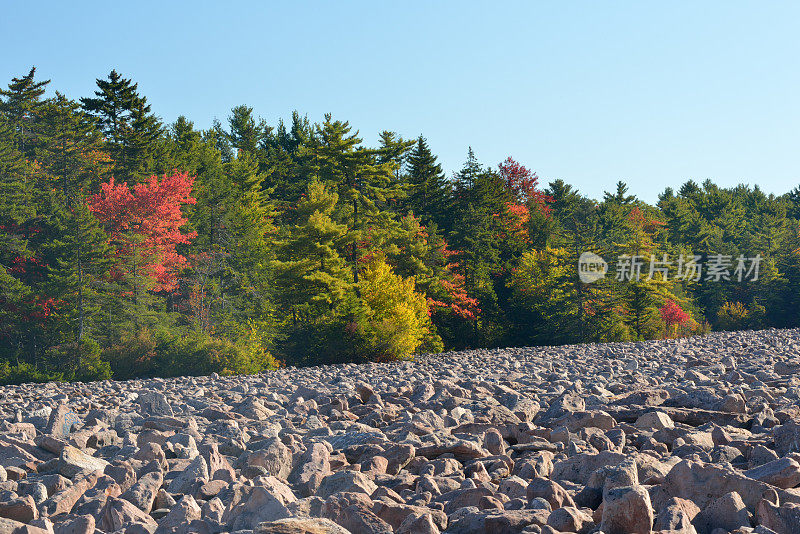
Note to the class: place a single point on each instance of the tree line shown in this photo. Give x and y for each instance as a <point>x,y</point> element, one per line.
<point>130,247</point>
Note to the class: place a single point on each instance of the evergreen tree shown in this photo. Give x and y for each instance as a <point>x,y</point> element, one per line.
<point>78,275</point>
<point>247,134</point>
<point>20,107</point>
<point>71,149</point>
<point>364,184</point>
<point>620,196</point>
<point>429,194</point>
<point>312,277</point>
<point>126,120</point>
<point>480,200</point>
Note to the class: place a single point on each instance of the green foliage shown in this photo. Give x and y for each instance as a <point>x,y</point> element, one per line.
<point>166,353</point>
<point>22,372</point>
<point>81,360</point>
<point>309,246</point>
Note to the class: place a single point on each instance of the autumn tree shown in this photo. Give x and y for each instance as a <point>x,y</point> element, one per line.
<point>144,225</point>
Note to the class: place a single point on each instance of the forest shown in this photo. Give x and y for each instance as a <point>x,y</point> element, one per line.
<point>133,248</point>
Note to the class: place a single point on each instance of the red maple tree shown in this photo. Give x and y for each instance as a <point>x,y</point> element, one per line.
<point>145,222</point>
<point>523,185</point>
<point>673,314</point>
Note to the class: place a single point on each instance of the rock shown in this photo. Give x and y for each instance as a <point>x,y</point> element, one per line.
<point>533,440</point>
<point>653,421</point>
<point>578,468</point>
<point>513,521</point>
<point>119,512</point>
<point>418,524</point>
<point>677,515</point>
<point>395,513</point>
<point>154,403</point>
<point>22,509</point>
<point>570,519</point>
<point>275,458</point>
<point>787,438</point>
<point>73,461</point>
<point>783,473</point>
<point>143,493</point>
<point>312,467</point>
<point>296,525</point>
<point>398,456</point>
<point>218,466</point>
<point>550,491</point>
<point>183,513</point>
<point>197,470</point>
<point>60,422</point>
<point>267,502</point>
<point>62,501</point>
<point>9,526</point>
<point>351,481</point>
<point>727,512</point>
<point>627,510</point>
<point>702,483</point>
<point>359,518</point>
<point>83,524</point>
<point>460,449</point>
<point>784,519</point>
<point>493,442</point>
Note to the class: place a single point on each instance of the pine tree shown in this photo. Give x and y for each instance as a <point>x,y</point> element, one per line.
<point>620,197</point>
<point>71,148</point>
<point>82,261</point>
<point>429,195</point>
<point>127,122</point>
<point>479,203</point>
<point>364,184</point>
<point>22,101</point>
<point>17,208</point>
<point>311,275</point>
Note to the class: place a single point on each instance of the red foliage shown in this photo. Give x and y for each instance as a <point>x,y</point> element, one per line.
<point>523,185</point>
<point>147,220</point>
<point>637,219</point>
<point>458,300</point>
<point>673,314</point>
<point>43,307</point>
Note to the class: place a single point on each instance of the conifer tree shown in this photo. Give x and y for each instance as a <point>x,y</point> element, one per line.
<point>71,149</point>
<point>20,106</point>
<point>312,277</point>
<point>364,184</point>
<point>78,275</point>
<point>247,134</point>
<point>126,120</point>
<point>429,194</point>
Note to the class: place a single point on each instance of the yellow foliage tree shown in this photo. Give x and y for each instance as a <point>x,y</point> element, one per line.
<point>395,316</point>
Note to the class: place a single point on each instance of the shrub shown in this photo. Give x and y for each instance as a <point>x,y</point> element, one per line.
<point>132,356</point>
<point>23,372</point>
<point>82,360</point>
<point>736,316</point>
<point>394,317</point>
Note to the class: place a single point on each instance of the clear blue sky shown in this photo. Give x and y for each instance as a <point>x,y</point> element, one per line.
<point>653,93</point>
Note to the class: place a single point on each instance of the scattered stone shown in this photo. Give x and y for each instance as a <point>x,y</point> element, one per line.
<point>581,438</point>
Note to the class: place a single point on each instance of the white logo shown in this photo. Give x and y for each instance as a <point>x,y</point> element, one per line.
<point>591,267</point>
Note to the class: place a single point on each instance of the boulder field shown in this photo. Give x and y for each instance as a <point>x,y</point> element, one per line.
<point>697,435</point>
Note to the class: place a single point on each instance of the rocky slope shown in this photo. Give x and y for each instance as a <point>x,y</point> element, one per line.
<point>682,436</point>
